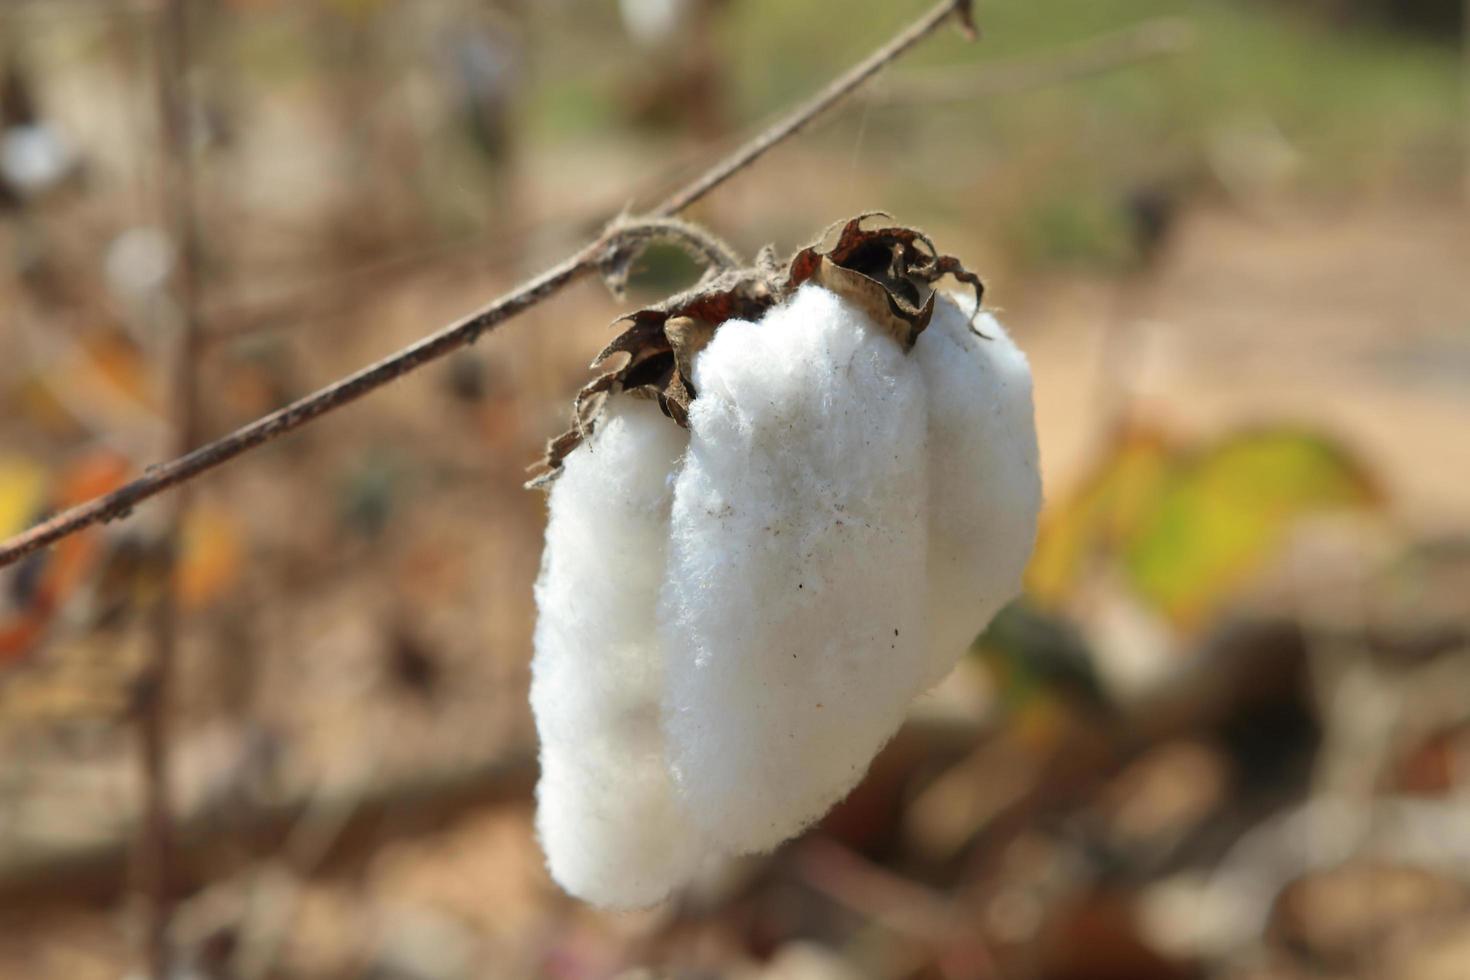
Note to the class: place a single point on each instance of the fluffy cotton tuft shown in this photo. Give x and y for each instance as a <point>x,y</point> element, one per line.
<point>793,611</point>
<point>734,618</point>
<point>612,830</point>
<point>984,478</point>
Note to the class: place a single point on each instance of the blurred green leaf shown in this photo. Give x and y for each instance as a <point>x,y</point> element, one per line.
<point>1033,653</point>
<point>1106,509</point>
<point>1222,513</point>
<point>1187,526</point>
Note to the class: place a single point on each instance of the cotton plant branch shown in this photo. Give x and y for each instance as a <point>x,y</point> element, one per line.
<point>633,236</point>
<point>1158,38</point>
<point>589,259</point>
<point>338,293</point>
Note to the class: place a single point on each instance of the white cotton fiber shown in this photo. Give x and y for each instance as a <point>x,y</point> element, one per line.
<point>793,613</point>
<point>653,22</point>
<point>612,830</point>
<point>984,479</point>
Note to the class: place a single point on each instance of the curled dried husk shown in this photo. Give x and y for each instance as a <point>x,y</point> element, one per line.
<point>888,272</point>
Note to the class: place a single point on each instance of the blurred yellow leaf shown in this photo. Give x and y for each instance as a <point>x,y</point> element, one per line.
<point>1104,511</point>
<point>53,575</point>
<point>209,559</point>
<point>1188,526</point>
<point>115,358</point>
<point>22,493</point>
<point>1223,512</point>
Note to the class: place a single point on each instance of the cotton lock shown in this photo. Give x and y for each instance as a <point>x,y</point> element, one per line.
<point>735,612</point>
<point>791,622</point>
<point>606,814</point>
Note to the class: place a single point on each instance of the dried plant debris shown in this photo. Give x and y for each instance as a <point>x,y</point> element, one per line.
<point>888,272</point>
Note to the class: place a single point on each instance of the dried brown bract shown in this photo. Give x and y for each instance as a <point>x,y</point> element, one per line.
<point>888,272</point>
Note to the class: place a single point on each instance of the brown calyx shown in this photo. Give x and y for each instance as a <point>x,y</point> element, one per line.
<point>889,273</point>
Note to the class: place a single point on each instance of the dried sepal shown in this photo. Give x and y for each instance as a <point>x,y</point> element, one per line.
<point>688,337</point>
<point>888,272</point>
<point>558,449</point>
<point>658,348</point>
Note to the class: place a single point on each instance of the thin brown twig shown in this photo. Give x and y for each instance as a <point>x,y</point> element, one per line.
<point>1158,38</point>
<point>339,293</point>
<point>823,100</point>
<point>156,829</point>
<point>468,329</point>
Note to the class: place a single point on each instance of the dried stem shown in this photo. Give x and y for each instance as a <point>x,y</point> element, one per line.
<point>824,100</point>
<point>1099,55</point>
<point>468,329</point>
<point>156,830</point>
<point>637,235</point>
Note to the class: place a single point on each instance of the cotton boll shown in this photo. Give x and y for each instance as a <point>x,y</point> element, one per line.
<point>984,478</point>
<point>793,611</point>
<point>652,22</point>
<point>609,822</point>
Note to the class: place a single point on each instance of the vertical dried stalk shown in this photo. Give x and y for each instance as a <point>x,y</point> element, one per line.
<point>1465,81</point>
<point>155,844</point>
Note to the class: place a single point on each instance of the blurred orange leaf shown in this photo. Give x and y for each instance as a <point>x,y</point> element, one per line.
<point>116,358</point>
<point>91,475</point>
<point>210,556</point>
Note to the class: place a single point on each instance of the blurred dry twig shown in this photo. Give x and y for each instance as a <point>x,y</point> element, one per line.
<point>468,329</point>
<point>155,839</point>
<point>42,873</point>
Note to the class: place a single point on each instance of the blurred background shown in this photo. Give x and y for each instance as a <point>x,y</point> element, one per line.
<point>1225,735</point>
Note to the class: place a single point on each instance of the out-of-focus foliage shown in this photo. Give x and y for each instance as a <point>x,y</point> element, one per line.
<point>1100,515</point>
<point>210,555</point>
<point>47,579</point>
<point>116,570</point>
<point>1187,525</point>
<point>1219,515</point>
<point>22,484</point>
<point>1265,100</point>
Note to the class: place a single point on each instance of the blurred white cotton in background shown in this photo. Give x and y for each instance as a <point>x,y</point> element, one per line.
<point>139,261</point>
<point>34,158</point>
<point>652,22</point>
